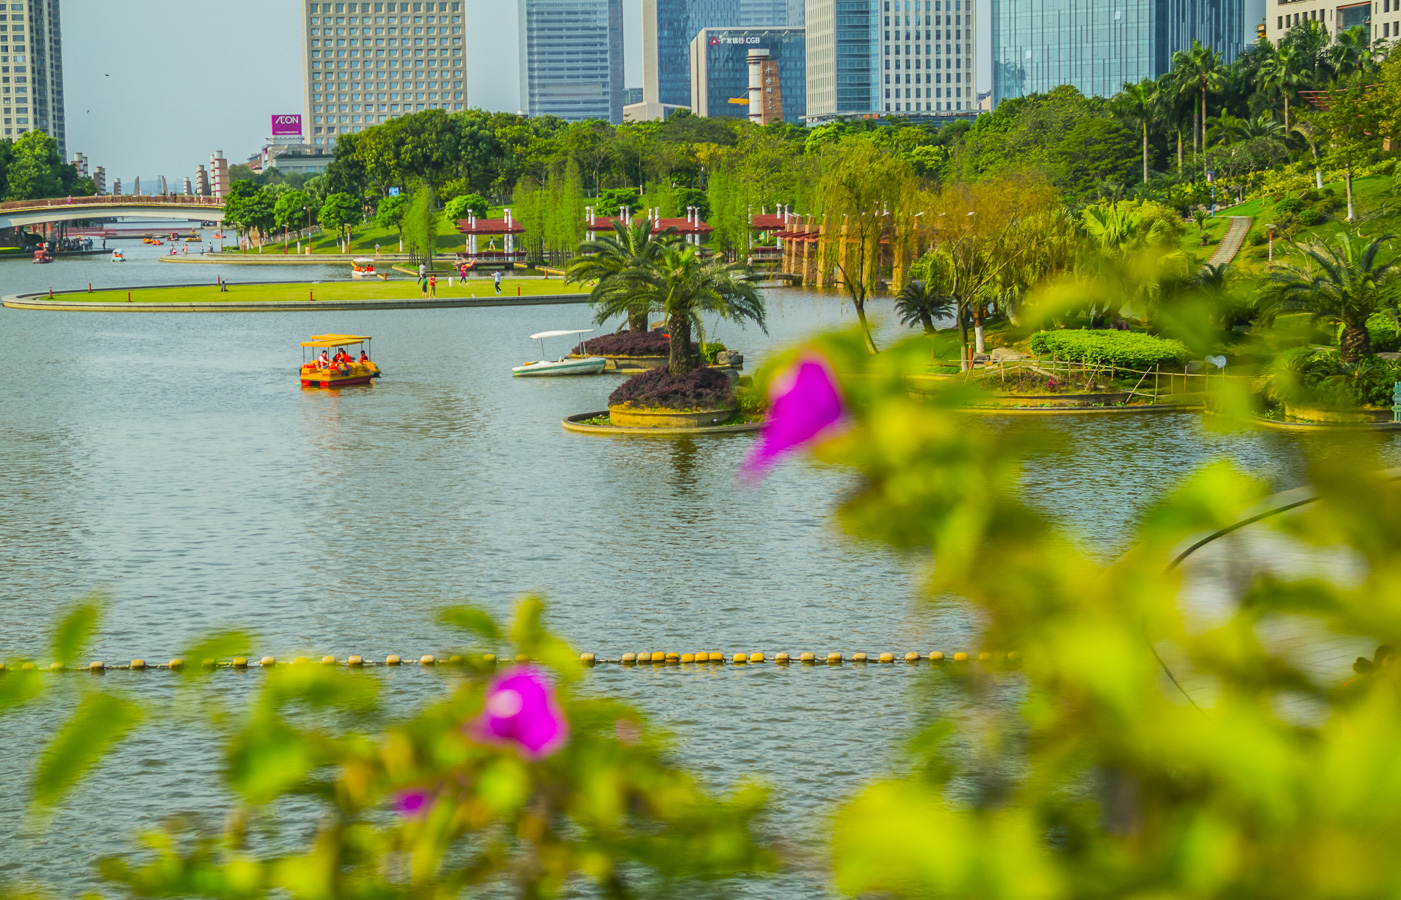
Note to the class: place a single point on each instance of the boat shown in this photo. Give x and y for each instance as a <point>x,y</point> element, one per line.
<point>193,239</point>
<point>42,255</point>
<point>118,256</point>
<point>363,267</point>
<point>313,374</point>
<point>589,365</point>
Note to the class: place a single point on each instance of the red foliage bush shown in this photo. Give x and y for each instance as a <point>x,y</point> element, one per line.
<point>701,389</point>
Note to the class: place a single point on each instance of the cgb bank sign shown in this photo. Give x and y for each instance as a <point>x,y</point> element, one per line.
<point>282,126</point>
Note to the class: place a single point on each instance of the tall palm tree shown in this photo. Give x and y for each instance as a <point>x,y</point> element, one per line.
<point>1351,52</point>
<point>1138,104</point>
<point>1283,72</point>
<point>1343,283</point>
<point>685,287</point>
<point>921,302</point>
<point>1201,67</point>
<point>609,260</point>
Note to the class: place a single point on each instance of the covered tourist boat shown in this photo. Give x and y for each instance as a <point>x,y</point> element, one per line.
<point>337,361</point>
<point>591,365</point>
<point>363,267</point>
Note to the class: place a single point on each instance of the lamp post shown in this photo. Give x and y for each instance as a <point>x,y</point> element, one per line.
<point>1211,180</point>
<point>1270,230</point>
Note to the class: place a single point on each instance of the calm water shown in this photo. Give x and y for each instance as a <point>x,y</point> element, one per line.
<point>172,463</point>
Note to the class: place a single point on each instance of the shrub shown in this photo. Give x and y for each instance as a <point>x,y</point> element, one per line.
<point>1289,205</point>
<point>1257,237</point>
<point>658,388</point>
<point>1310,217</point>
<point>711,352</point>
<point>627,343</point>
<point>1121,349</point>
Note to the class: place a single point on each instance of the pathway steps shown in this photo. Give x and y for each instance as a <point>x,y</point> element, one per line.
<point>1231,243</point>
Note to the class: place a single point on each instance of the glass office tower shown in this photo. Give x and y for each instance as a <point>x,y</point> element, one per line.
<point>1099,45</point>
<point>720,70</point>
<point>844,55</point>
<point>668,26</point>
<point>571,59</point>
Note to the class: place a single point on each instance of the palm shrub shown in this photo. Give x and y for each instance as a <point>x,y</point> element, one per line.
<point>613,261</point>
<point>1343,282</point>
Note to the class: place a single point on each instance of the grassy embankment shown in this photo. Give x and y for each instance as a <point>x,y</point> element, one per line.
<point>404,289</point>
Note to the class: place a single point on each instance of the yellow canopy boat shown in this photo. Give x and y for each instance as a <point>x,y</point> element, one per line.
<point>341,368</point>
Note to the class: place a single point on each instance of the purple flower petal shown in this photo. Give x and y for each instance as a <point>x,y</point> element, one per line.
<point>521,709</point>
<point>413,802</point>
<point>806,406</point>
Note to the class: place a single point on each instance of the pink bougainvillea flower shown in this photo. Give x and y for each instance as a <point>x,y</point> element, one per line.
<point>521,709</point>
<point>413,802</point>
<point>806,407</point>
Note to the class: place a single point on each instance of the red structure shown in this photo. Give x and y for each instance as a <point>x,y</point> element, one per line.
<point>771,229</point>
<point>692,228</point>
<point>476,255</point>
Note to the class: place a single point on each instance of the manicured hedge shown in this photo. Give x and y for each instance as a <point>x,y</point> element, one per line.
<point>1120,349</point>
<point>659,389</point>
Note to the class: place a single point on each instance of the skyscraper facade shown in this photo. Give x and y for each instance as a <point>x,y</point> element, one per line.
<point>1099,45</point>
<point>927,57</point>
<point>720,70</point>
<point>571,59</point>
<point>844,53</point>
<point>367,62</point>
<point>668,27</point>
<point>31,62</point>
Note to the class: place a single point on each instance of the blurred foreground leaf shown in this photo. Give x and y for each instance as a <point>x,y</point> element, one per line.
<point>100,721</point>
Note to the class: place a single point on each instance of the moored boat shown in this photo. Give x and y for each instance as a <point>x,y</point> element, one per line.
<point>591,365</point>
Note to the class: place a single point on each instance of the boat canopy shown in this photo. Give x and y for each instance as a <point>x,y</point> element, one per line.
<point>545,334</point>
<point>334,340</point>
<point>362,259</point>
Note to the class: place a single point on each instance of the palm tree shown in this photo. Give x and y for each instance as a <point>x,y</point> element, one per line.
<point>1137,103</point>
<point>1283,72</point>
<point>1225,127</point>
<point>921,302</point>
<point>610,260</point>
<point>1262,126</point>
<point>684,287</point>
<point>1351,52</point>
<point>1343,283</point>
<point>1201,67</point>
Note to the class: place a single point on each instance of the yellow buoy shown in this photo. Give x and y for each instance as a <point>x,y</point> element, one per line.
<point>834,659</point>
<point>328,660</point>
<point>658,657</point>
<point>807,659</point>
<point>209,665</point>
<point>703,656</point>
<point>267,662</point>
<point>629,659</point>
<point>1013,658</point>
<point>673,659</point>
<point>960,657</point>
<point>985,657</point>
<point>586,658</point>
<point>427,660</point>
<point>716,656</point>
<point>522,658</point>
<point>936,657</point>
<point>240,662</point>
<point>858,657</point>
<point>781,658</point>
<point>96,666</point>
<point>454,660</point>
<point>688,657</point>
<point>55,667</point>
<point>355,662</point>
<point>740,659</point>
<point>488,660</point>
<point>177,664</point>
<point>756,657</point>
<point>136,664</point>
<point>2,668</point>
<point>300,661</point>
<point>887,657</point>
<point>912,657</point>
<point>392,659</point>
<point>28,667</point>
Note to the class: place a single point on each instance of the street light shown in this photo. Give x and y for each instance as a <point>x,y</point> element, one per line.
<point>1211,180</point>
<point>1270,229</point>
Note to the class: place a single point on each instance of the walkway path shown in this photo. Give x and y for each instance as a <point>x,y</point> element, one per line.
<point>1230,243</point>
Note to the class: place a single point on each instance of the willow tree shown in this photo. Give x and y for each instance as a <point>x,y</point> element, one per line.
<point>862,188</point>
<point>420,226</point>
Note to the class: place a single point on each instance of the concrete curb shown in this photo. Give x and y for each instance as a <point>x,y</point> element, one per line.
<point>576,424</point>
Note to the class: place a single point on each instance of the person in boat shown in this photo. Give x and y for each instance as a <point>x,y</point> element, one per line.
<point>364,357</point>
<point>323,361</point>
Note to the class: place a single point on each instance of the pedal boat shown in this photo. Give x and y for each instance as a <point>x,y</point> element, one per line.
<point>336,375</point>
<point>592,365</point>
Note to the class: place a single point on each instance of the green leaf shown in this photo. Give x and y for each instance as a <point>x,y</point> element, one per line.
<point>220,645</point>
<point>74,631</point>
<point>101,721</point>
<point>18,688</point>
<point>472,620</point>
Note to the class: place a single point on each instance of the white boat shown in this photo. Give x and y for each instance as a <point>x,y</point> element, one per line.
<point>117,256</point>
<point>363,267</point>
<point>592,365</point>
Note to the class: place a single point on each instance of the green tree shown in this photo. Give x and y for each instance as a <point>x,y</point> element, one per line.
<point>421,222</point>
<point>389,213</point>
<point>34,168</point>
<point>458,207</point>
<point>1282,73</point>
<point>1344,282</point>
<point>613,263</point>
<point>1352,120</point>
<point>250,209</point>
<point>925,297</point>
<point>290,210</point>
<point>1138,104</point>
<point>1200,67</point>
<point>340,212</point>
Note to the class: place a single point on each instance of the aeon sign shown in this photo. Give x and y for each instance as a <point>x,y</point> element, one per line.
<point>286,125</point>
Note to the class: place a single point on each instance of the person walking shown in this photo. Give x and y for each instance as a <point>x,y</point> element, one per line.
<point>423,285</point>
<point>422,271</point>
<point>497,279</point>
<point>433,286</point>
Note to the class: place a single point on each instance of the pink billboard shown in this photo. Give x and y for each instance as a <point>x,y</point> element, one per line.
<point>283,126</point>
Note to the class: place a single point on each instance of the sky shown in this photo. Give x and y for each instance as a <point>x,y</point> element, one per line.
<point>153,87</point>
<point>156,92</point>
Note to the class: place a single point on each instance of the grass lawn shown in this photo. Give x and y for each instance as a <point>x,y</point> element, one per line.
<point>363,240</point>
<point>1192,244</point>
<point>404,289</point>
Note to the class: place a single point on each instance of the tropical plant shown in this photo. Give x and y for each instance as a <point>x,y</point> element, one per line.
<point>614,261</point>
<point>1200,67</point>
<point>921,302</point>
<point>1343,282</point>
<point>1282,73</point>
<point>1138,104</point>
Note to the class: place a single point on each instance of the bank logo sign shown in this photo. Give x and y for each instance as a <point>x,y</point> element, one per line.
<point>734,39</point>
<point>286,125</point>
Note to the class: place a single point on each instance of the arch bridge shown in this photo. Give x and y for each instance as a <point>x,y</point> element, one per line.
<point>22,213</point>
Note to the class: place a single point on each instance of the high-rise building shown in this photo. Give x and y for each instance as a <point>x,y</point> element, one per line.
<point>571,59</point>
<point>136,186</point>
<point>80,163</point>
<point>1097,46</point>
<point>189,188</point>
<point>927,57</point>
<point>218,174</point>
<point>367,63</point>
<point>165,189</point>
<point>843,64</point>
<point>99,178</point>
<point>201,181</point>
<point>720,72</point>
<point>668,26</point>
<point>31,55</point>
<point>117,187</point>
<point>1381,19</point>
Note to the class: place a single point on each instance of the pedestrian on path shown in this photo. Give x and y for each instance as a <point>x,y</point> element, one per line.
<point>497,279</point>
<point>433,286</point>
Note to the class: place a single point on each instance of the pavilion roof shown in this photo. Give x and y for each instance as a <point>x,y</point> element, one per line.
<point>489,226</point>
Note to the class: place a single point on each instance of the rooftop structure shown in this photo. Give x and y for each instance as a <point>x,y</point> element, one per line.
<point>505,229</point>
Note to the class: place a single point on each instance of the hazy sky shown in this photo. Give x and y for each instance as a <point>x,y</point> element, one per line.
<point>153,87</point>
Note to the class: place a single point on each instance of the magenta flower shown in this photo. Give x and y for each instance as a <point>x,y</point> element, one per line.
<point>413,802</point>
<point>806,407</point>
<point>521,709</point>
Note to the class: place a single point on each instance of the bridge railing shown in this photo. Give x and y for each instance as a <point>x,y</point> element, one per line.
<point>179,200</point>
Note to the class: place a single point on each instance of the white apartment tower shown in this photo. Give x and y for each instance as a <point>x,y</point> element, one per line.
<point>927,59</point>
<point>31,71</point>
<point>99,178</point>
<point>368,62</point>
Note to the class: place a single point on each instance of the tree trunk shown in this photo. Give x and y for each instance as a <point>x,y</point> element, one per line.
<point>1145,151</point>
<point>1196,128</point>
<point>1203,117</point>
<point>1286,113</point>
<point>860,304</point>
<point>682,357</point>
<point>1356,342</point>
<point>962,340</point>
<point>1348,179</point>
<point>637,320</point>
<point>1179,152</point>
<point>927,321</point>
